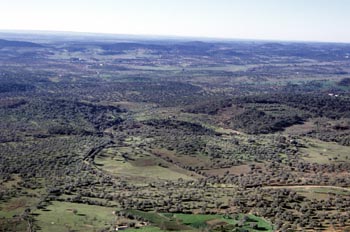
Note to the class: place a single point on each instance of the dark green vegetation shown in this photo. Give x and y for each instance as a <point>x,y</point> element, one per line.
<point>98,133</point>
<point>192,222</point>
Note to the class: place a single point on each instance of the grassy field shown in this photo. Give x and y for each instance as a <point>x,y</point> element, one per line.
<point>321,193</point>
<point>317,192</point>
<point>198,222</point>
<point>321,152</point>
<point>262,224</point>
<point>140,167</point>
<point>161,221</point>
<point>63,216</point>
<point>183,159</point>
<point>16,206</point>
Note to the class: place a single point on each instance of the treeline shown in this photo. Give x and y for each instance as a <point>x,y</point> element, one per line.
<point>169,124</point>
<point>258,122</point>
<point>42,117</point>
<point>319,105</point>
<point>255,115</point>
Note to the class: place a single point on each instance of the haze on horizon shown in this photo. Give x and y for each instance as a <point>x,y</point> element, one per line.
<point>299,20</point>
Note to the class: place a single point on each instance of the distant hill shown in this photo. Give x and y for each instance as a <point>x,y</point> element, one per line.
<point>11,43</point>
<point>191,47</point>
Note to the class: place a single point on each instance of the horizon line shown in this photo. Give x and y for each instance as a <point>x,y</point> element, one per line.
<point>159,36</point>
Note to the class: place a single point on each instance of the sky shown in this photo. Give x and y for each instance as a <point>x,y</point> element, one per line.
<point>291,20</point>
